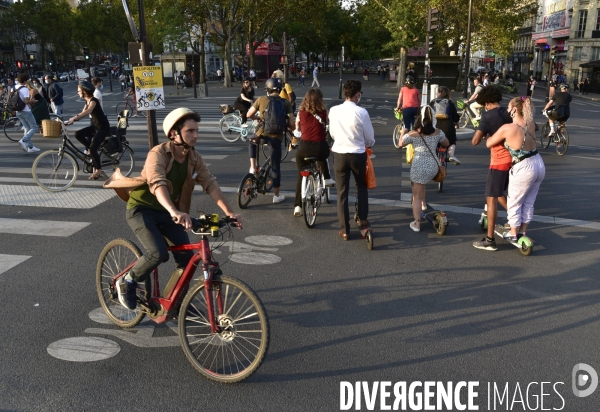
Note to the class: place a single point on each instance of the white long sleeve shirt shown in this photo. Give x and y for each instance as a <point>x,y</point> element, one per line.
<point>351,128</point>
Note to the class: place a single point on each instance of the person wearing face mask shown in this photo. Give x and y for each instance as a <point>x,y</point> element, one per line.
<point>352,131</point>
<point>93,136</point>
<point>55,94</point>
<point>492,119</point>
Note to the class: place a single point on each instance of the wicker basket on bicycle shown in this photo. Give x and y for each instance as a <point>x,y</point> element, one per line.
<point>51,128</point>
<point>226,108</point>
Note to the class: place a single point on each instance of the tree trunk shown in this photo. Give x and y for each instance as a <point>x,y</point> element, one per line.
<point>227,78</point>
<point>401,72</point>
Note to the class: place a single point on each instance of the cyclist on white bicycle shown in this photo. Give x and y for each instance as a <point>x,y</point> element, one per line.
<point>562,111</point>
<point>158,210</point>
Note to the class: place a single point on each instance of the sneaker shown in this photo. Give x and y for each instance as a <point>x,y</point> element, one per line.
<point>329,182</point>
<point>278,199</point>
<point>485,244</point>
<point>509,236</point>
<point>414,227</point>
<point>32,149</point>
<point>23,145</point>
<point>454,160</point>
<point>252,170</point>
<point>297,211</point>
<point>126,290</point>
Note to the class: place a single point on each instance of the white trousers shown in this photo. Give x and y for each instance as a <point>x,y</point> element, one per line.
<point>524,183</point>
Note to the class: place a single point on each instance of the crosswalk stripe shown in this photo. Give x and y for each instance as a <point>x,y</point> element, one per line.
<point>10,261</point>
<point>40,227</point>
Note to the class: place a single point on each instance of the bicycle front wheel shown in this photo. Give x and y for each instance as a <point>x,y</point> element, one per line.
<point>247,190</point>
<point>13,129</point>
<point>544,138</point>
<point>54,172</point>
<point>464,120</point>
<point>309,204</point>
<point>241,343</point>
<point>123,160</point>
<point>125,106</point>
<point>562,145</point>
<point>226,123</point>
<point>396,136</point>
<point>117,256</point>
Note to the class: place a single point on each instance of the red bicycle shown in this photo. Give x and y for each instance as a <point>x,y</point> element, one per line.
<point>223,326</point>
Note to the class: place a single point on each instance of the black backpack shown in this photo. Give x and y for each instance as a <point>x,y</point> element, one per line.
<point>15,103</point>
<point>275,116</point>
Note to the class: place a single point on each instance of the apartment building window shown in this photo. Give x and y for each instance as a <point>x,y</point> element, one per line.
<point>595,53</point>
<point>581,23</point>
<point>597,19</point>
<point>577,53</point>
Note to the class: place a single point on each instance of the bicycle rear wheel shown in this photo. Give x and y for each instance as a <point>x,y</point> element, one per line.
<point>54,172</point>
<point>116,256</point>
<point>309,204</point>
<point>562,145</point>
<point>247,190</point>
<point>285,146</point>
<point>13,129</point>
<point>125,106</point>
<point>239,347</point>
<point>396,136</point>
<point>226,123</point>
<point>123,160</point>
<point>544,138</point>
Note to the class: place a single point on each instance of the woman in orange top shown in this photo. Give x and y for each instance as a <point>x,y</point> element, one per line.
<point>408,104</point>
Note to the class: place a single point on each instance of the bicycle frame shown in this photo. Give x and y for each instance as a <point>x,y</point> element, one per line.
<point>163,308</point>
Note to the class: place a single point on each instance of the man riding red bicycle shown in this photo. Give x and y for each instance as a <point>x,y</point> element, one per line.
<point>158,208</point>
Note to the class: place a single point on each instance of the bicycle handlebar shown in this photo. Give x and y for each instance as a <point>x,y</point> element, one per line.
<point>212,223</point>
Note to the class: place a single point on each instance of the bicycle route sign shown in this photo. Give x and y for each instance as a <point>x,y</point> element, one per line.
<point>149,91</point>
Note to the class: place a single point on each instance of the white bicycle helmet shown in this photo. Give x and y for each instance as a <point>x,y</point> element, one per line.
<point>174,117</point>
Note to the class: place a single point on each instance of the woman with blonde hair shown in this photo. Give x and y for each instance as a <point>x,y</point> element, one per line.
<point>528,170</point>
<point>311,128</point>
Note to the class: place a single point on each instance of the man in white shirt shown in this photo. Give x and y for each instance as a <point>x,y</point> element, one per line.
<point>315,77</point>
<point>475,107</point>
<point>352,131</point>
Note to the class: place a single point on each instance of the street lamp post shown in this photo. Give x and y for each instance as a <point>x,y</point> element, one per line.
<point>468,51</point>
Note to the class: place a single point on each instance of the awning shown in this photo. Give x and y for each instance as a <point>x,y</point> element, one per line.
<point>541,41</point>
<point>489,59</point>
<point>595,63</point>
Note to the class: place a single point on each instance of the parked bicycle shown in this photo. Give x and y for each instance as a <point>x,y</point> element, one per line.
<point>466,114</point>
<point>253,184</point>
<point>130,105</point>
<point>14,130</point>
<point>560,137</point>
<point>223,326</point>
<point>56,170</point>
<point>313,191</point>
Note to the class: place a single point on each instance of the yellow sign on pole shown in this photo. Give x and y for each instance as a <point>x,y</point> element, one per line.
<point>149,92</point>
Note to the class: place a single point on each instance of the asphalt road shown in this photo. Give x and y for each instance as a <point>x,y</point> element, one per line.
<point>420,307</point>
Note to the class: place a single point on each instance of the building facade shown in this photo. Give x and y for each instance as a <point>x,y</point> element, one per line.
<point>553,28</point>
<point>584,43</point>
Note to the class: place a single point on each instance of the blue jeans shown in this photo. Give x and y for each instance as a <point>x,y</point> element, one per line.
<point>275,145</point>
<point>28,121</point>
<point>57,108</point>
<point>155,229</point>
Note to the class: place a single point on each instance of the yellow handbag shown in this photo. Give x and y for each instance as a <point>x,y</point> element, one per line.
<point>410,153</point>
